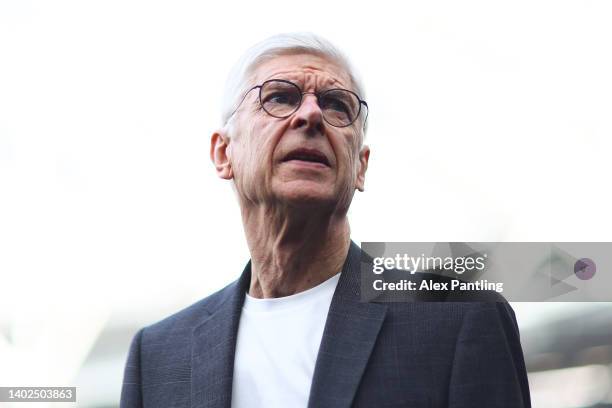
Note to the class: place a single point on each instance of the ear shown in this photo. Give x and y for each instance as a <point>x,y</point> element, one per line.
<point>364,156</point>
<point>219,144</point>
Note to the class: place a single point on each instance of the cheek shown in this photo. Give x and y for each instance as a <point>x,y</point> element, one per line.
<point>254,150</point>
<point>347,153</point>
<point>242,156</point>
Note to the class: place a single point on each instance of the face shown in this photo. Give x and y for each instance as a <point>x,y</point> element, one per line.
<point>300,160</point>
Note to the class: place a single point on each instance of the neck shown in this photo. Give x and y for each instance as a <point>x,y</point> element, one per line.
<point>293,249</point>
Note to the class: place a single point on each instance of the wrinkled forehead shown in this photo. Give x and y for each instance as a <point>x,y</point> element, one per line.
<point>310,72</point>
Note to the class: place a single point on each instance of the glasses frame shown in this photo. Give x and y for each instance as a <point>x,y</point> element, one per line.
<point>302,93</point>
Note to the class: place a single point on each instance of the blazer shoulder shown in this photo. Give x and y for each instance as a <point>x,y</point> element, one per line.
<point>181,324</point>
<point>457,309</point>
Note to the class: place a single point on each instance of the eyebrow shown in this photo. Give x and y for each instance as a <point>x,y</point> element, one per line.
<point>336,85</point>
<point>331,82</point>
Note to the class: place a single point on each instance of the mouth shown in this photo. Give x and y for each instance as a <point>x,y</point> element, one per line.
<point>304,155</point>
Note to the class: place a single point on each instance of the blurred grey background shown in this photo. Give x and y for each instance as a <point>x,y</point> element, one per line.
<point>489,121</point>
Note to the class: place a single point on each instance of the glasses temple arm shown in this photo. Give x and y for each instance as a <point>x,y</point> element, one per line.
<point>242,100</point>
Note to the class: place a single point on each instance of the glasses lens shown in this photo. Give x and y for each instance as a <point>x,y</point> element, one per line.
<point>279,98</point>
<point>340,107</point>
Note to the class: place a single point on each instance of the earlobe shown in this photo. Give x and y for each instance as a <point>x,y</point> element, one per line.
<point>219,154</point>
<point>364,157</point>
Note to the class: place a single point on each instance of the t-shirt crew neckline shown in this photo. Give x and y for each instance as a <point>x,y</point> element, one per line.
<point>269,305</point>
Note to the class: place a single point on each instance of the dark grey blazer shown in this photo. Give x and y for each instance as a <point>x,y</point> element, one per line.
<point>425,354</point>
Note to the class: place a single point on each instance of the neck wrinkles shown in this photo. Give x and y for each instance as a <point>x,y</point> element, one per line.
<point>293,249</point>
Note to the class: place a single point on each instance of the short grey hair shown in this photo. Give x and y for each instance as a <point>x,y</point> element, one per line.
<point>281,44</point>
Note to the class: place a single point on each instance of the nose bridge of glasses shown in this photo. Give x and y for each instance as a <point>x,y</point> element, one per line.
<point>303,98</point>
<point>317,96</point>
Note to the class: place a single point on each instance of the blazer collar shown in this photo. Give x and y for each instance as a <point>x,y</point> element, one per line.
<point>214,348</point>
<point>349,336</point>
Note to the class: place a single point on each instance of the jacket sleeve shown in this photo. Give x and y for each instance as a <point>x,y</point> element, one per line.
<point>488,367</point>
<point>131,390</point>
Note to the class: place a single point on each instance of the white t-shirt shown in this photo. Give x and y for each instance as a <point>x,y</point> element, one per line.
<point>277,347</point>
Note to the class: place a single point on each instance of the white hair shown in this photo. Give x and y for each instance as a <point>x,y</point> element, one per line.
<point>281,44</point>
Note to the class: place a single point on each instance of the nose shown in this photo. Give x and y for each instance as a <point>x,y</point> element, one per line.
<point>309,115</point>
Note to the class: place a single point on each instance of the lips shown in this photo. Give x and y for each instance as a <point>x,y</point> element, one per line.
<point>307,155</point>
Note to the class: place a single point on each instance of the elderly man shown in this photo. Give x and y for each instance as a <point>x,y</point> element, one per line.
<point>292,330</point>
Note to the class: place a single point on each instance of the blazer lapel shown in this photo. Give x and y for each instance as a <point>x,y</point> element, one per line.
<point>348,339</point>
<point>214,347</point>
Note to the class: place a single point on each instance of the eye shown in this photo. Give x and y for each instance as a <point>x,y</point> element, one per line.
<point>285,97</point>
<point>340,106</point>
<point>336,104</point>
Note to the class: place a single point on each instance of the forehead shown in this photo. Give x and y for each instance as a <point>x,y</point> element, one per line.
<point>309,71</point>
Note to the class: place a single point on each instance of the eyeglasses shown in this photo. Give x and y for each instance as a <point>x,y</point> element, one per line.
<point>280,99</point>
